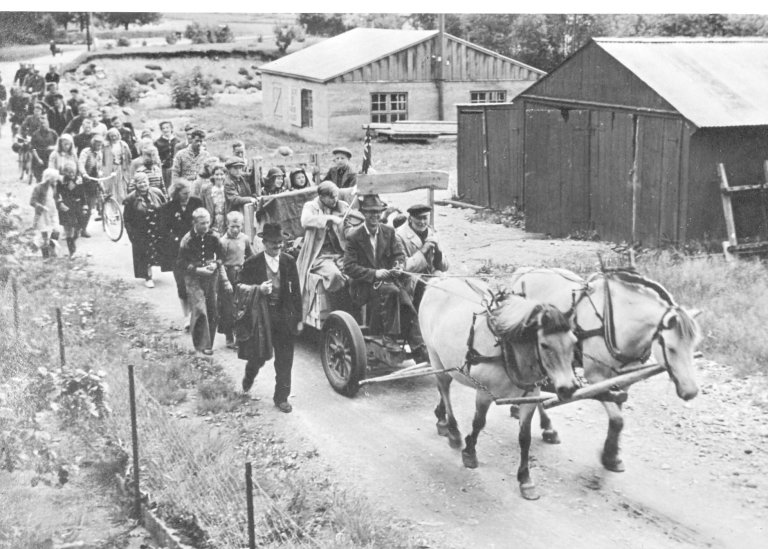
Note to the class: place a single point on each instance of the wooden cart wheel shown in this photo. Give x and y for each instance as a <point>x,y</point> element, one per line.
<point>343,353</point>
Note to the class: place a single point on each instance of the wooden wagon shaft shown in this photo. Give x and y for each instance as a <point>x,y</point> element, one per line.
<point>420,370</point>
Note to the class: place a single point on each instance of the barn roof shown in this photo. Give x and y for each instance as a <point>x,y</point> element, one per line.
<point>713,82</point>
<point>356,48</point>
<point>340,54</point>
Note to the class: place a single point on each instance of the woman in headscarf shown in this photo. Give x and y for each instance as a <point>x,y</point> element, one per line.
<point>212,194</point>
<point>274,182</point>
<point>142,223</point>
<point>117,159</point>
<point>64,154</point>
<point>175,222</point>
<point>299,179</point>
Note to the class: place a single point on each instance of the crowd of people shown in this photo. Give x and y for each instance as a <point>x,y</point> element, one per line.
<point>183,212</point>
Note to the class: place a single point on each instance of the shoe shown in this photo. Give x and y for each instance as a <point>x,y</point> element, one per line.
<point>149,283</point>
<point>207,352</point>
<point>284,407</point>
<point>85,234</point>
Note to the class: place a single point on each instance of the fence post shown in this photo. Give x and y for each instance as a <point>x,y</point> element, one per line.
<point>15,286</point>
<point>249,502</point>
<point>135,443</point>
<point>60,326</point>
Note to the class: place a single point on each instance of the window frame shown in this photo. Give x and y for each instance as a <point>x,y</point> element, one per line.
<point>389,107</point>
<point>501,94</point>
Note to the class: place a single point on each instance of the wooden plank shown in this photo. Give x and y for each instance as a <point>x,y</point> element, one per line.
<point>730,224</point>
<point>742,188</point>
<point>685,174</point>
<point>398,182</point>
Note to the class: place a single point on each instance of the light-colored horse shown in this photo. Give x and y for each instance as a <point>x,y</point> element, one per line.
<point>642,319</point>
<point>537,339</point>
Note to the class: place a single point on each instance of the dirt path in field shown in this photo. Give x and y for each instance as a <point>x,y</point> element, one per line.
<point>696,472</point>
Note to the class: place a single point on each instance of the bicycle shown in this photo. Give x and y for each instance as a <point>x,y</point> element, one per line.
<point>108,210</point>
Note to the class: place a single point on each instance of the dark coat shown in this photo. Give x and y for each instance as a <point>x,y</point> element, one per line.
<point>360,264</point>
<point>74,200</point>
<point>343,176</point>
<point>237,193</point>
<point>174,224</point>
<point>255,272</point>
<point>142,224</point>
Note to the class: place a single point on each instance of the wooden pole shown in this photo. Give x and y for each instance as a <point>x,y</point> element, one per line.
<point>15,287</point>
<point>440,75</point>
<point>60,327</point>
<point>249,503</point>
<point>635,183</point>
<point>88,30</point>
<point>135,443</point>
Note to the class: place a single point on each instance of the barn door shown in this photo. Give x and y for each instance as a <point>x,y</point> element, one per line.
<point>472,166</point>
<point>557,184</point>
<point>504,127</point>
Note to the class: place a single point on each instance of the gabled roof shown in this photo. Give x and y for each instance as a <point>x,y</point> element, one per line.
<point>356,48</point>
<point>713,82</point>
<point>346,52</point>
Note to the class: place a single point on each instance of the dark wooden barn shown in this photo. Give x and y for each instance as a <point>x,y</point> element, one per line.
<point>659,112</point>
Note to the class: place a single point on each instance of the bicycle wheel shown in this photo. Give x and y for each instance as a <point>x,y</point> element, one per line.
<point>112,219</point>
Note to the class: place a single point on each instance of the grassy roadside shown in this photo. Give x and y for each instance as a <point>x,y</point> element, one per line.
<point>189,465</point>
<point>22,52</point>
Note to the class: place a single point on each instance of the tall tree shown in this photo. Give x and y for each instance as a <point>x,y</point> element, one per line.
<point>125,18</point>
<point>323,24</point>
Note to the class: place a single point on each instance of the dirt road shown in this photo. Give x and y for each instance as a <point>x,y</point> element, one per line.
<point>696,472</point>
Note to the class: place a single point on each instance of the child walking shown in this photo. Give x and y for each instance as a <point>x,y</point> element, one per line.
<point>236,249</point>
<point>46,219</point>
<point>71,203</point>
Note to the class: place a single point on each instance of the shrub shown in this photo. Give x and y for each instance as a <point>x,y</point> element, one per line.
<point>168,74</point>
<point>171,38</point>
<point>110,45</point>
<point>127,91</point>
<point>143,42</point>
<point>205,35</point>
<point>192,90</point>
<point>123,42</point>
<point>243,71</point>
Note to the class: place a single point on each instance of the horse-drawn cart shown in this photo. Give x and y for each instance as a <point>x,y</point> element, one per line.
<point>350,352</point>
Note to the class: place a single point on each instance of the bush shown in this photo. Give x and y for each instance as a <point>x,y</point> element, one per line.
<point>143,77</point>
<point>192,90</point>
<point>208,35</point>
<point>127,91</point>
<point>123,42</point>
<point>171,38</point>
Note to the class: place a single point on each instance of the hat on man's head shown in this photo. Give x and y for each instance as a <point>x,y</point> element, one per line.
<point>273,232</point>
<point>233,161</point>
<point>343,150</point>
<point>419,209</point>
<point>371,203</point>
<point>274,172</point>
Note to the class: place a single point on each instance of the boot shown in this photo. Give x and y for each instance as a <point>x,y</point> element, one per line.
<point>71,246</point>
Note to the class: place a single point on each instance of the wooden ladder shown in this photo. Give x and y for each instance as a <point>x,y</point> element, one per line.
<point>732,245</point>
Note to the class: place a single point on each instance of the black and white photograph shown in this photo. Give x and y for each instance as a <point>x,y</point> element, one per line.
<point>460,277</point>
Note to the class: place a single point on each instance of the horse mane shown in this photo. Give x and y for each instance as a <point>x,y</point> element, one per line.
<point>686,326</point>
<point>518,319</point>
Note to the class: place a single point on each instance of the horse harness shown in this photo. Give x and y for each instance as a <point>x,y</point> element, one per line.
<point>607,329</point>
<point>507,358</point>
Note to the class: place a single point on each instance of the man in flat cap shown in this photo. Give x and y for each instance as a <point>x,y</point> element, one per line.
<point>341,173</point>
<point>237,191</point>
<point>188,162</point>
<point>422,249</point>
<point>373,256</point>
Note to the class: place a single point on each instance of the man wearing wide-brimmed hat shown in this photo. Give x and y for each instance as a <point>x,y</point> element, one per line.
<point>341,172</point>
<point>277,282</point>
<point>373,256</point>
<point>237,191</point>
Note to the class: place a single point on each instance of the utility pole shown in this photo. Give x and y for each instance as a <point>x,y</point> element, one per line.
<point>88,30</point>
<point>440,74</point>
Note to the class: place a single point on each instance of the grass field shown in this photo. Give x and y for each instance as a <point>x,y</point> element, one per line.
<point>16,53</point>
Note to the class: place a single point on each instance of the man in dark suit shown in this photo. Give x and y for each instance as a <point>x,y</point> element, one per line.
<point>277,279</point>
<point>373,259</point>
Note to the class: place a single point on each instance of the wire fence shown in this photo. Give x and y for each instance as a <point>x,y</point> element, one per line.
<point>196,475</point>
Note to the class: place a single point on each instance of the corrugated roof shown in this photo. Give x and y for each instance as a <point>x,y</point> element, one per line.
<point>340,54</point>
<point>713,82</point>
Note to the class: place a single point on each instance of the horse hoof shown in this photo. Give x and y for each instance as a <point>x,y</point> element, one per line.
<point>550,436</point>
<point>616,465</point>
<point>514,411</point>
<point>442,429</point>
<point>455,441</point>
<point>529,491</point>
<point>469,460</point>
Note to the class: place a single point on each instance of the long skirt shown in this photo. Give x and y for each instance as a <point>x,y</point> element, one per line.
<point>202,295</point>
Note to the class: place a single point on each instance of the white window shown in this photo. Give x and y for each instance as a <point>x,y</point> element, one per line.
<point>389,107</point>
<point>490,96</point>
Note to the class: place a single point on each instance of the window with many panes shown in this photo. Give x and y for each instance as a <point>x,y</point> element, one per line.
<point>490,96</point>
<point>389,107</point>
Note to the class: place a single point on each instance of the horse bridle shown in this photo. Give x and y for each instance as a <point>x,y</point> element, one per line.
<point>607,332</point>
